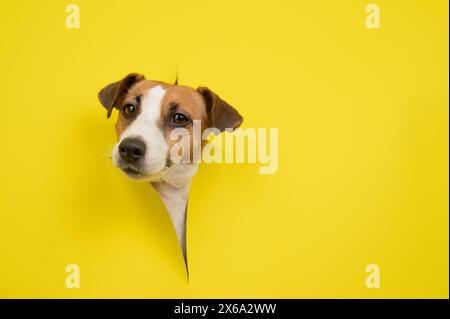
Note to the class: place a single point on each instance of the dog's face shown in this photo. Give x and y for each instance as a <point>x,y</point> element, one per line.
<point>149,111</point>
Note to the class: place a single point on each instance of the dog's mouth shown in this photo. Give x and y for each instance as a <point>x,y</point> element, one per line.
<point>140,173</point>
<point>131,171</point>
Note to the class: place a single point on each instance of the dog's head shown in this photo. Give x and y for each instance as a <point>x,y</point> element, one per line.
<point>149,111</point>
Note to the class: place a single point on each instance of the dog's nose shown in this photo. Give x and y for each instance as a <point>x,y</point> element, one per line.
<point>132,149</point>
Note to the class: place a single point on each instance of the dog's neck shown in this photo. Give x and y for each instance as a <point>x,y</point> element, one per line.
<point>174,192</point>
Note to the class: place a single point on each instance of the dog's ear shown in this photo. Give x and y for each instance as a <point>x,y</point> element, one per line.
<point>112,94</point>
<point>221,115</point>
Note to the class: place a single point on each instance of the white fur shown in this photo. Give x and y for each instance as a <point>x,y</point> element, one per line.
<point>146,127</point>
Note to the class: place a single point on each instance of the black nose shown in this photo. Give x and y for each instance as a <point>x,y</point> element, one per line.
<point>132,149</point>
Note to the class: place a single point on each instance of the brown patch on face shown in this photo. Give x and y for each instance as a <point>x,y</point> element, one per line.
<point>188,102</point>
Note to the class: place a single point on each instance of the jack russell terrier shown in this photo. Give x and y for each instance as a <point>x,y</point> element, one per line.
<point>148,112</point>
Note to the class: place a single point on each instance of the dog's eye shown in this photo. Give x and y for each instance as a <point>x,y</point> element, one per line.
<point>180,119</point>
<point>128,110</point>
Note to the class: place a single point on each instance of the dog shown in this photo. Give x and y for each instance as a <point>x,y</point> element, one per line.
<point>149,111</point>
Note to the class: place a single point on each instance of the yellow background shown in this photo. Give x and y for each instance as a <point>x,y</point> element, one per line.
<point>363,150</point>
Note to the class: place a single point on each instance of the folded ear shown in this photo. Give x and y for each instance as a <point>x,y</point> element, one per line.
<point>221,115</point>
<point>111,95</point>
